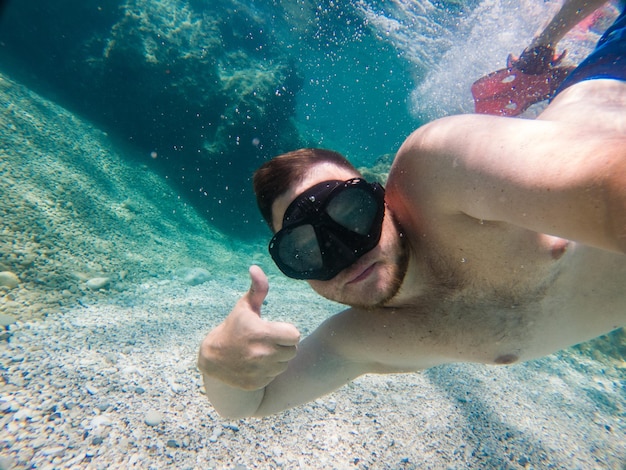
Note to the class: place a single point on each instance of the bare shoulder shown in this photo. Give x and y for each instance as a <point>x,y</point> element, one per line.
<point>482,141</point>
<point>559,177</point>
<point>584,127</point>
<point>458,151</point>
<point>590,113</point>
<point>591,110</point>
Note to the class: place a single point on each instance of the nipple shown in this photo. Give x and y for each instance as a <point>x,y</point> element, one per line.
<point>559,247</point>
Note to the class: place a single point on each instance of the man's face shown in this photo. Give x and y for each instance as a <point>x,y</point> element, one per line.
<point>375,277</point>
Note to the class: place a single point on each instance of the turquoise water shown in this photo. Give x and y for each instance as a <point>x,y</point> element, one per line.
<point>130,130</point>
<point>205,91</point>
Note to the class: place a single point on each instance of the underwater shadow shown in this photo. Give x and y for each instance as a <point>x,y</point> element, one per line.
<point>496,443</point>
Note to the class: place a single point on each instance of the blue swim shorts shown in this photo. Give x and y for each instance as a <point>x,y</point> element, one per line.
<point>608,59</point>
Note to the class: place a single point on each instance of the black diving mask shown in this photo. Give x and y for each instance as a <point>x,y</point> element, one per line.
<point>328,227</point>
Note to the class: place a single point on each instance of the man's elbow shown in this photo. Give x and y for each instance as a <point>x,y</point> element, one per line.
<point>231,410</point>
<point>237,413</point>
<point>232,414</point>
<point>231,402</point>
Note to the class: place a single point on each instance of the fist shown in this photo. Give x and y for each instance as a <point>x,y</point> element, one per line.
<point>246,351</point>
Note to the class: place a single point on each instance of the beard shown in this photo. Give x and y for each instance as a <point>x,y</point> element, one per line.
<point>401,265</point>
<point>398,268</point>
<point>393,272</point>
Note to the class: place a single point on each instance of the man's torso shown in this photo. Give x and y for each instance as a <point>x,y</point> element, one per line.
<point>500,293</point>
<point>507,295</point>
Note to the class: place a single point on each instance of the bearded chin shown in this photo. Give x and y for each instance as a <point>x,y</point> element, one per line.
<point>399,270</point>
<point>401,266</point>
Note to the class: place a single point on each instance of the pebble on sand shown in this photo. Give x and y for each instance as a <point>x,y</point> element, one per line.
<point>153,418</point>
<point>96,283</point>
<point>195,276</point>
<point>8,279</point>
<point>6,320</point>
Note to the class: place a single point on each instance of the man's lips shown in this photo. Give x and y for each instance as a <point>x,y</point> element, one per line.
<point>362,274</point>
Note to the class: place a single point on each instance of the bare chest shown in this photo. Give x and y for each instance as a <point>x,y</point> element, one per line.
<point>496,321</point>
<point>501,296</point>
<point>478,259</point>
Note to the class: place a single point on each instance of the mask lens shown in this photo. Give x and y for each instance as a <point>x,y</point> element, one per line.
<point>327,228</point>
<point>299,249</point>
<point>354,209</point>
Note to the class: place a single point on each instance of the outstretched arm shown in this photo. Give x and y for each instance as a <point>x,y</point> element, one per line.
<point>252,367</point>
<point>558,178</point>
<point>350,344</point>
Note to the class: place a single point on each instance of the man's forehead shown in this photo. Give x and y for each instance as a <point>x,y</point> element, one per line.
<point>319,173</point>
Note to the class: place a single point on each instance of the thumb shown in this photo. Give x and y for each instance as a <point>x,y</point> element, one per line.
<point>258,289</point>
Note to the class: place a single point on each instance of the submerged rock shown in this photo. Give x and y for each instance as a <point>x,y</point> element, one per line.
<point>9,279</point>
<point>6,320</point>
<point>153,418</point>
<point>195,85</point>
<point>98,283</point>
<point>195,276</point>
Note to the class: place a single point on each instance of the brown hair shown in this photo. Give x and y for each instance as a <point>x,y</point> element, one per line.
<point>275,176</point>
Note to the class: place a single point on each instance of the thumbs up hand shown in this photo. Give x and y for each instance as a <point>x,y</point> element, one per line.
<point>246,351</point>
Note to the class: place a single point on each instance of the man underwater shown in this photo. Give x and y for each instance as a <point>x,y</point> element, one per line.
<point>496,240</point>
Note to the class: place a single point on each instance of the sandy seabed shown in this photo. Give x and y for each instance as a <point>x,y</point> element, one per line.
<point>113,384</point>
<point>97,362</point>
